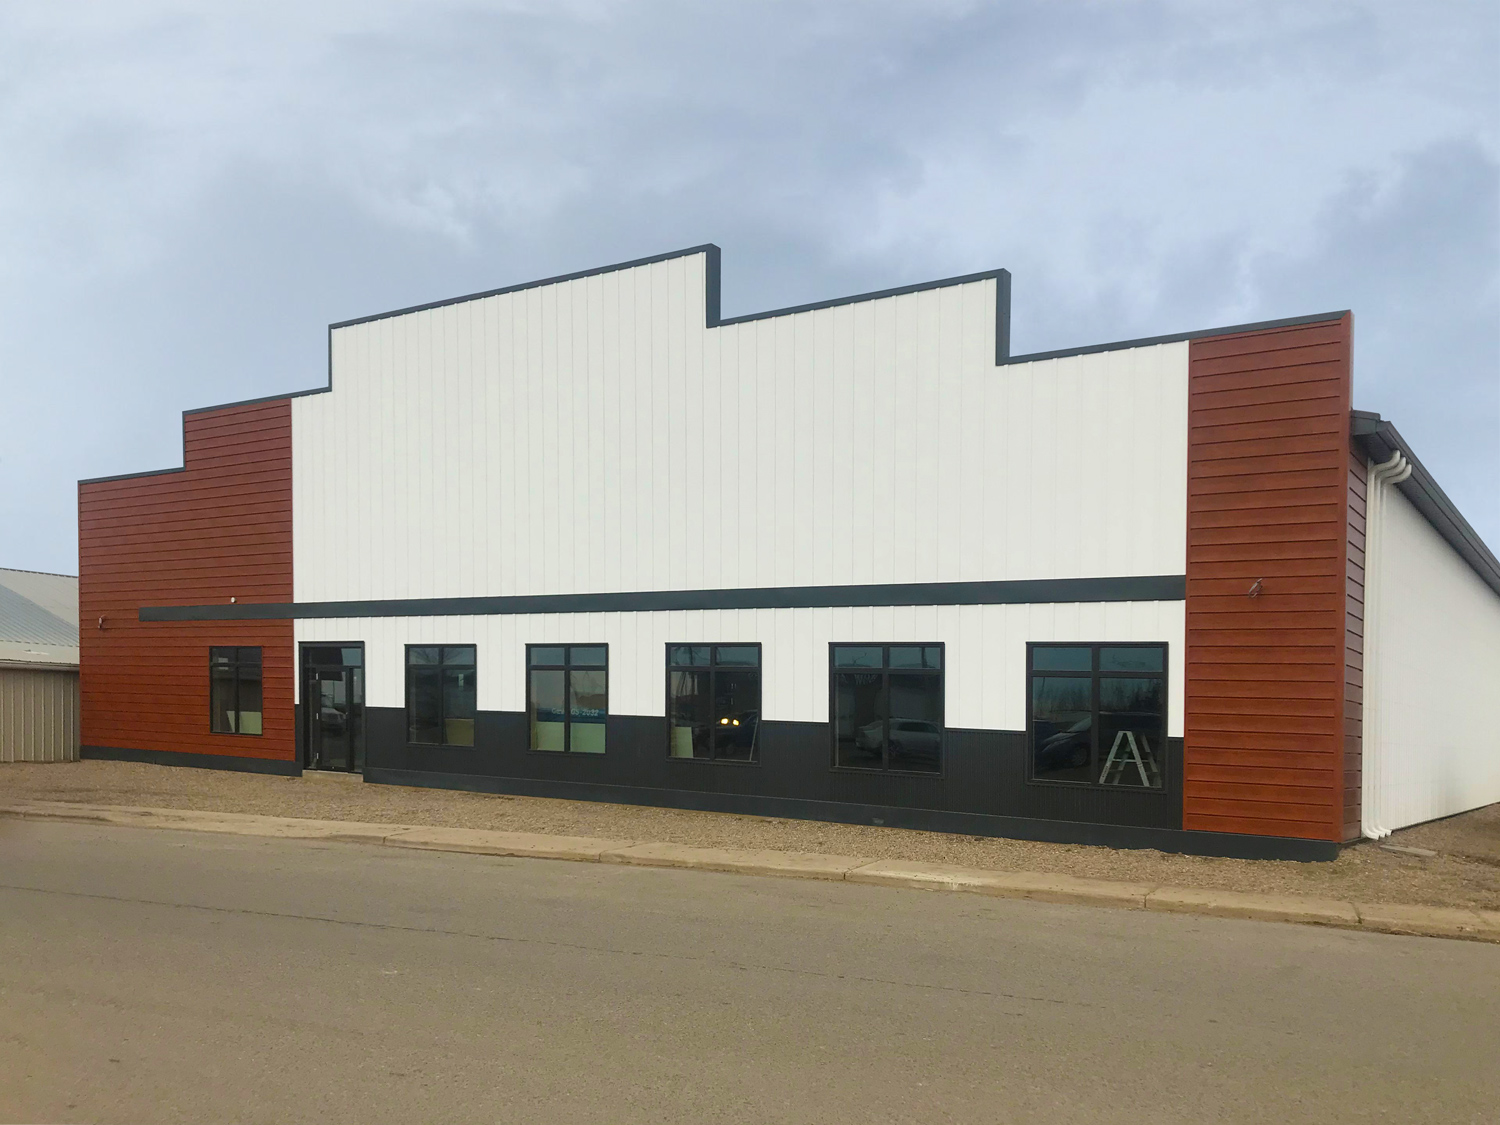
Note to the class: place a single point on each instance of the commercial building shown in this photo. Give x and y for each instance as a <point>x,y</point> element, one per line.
<point>853,560</point>
<point>38,667</point>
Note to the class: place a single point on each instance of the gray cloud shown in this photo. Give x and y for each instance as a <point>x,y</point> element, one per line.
<point>186,201</point>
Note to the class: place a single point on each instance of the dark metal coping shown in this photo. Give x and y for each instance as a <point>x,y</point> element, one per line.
<point>712,319</point>
<point>1380,440</point>
<point>1151,588</point>
<point>1179,337</point>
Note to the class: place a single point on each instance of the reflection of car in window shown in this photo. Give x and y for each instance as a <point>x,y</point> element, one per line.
<point>916,739</point>
<point>738,729</point>
<point>1067,748</point>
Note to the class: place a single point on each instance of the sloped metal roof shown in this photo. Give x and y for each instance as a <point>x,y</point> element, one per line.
<point>38,618</point>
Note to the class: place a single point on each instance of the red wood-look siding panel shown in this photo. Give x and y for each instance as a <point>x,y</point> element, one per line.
<point>1354,650</point>
<point>220,529</point>
<point>1266,748</point>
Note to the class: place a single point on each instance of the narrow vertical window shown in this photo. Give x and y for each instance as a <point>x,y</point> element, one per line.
<point>1098,714</point>
<point>441,695</point>
<point>234,690</point>
<point>887,706</point>
<point>713,702</point>
<point>567,697</point>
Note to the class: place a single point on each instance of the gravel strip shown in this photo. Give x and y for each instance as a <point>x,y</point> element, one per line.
<point>1465,873</point>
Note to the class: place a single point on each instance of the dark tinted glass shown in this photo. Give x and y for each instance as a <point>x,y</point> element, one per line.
<point>352,657</point>
<point>458,654</point>
<point>689,714</point>
<point>1045,658</point>
<point>221,702</point>
<point>588,708</point>
<point>859,725</point>
<point>1130,728</point>
<point>423,655</point>
<point>424,704</point>
<point>736,714</point>
<point>1134,659</point>
<point>1062,715</point>
<point>740,656</point>
<point>916,726</point>
<point>548,710</point>
<point>234,690</point>
<point>589,656</point>
<point>249,695</point>
<point>913,656</point>
<point>690,655</point>
<point>546,656</point>
<point>460,704</point>
<point>850,656</point>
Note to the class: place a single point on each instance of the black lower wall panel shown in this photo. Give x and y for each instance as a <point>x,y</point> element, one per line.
<point>201,761</point>
<point>984,772</point>
<point>840,812</point>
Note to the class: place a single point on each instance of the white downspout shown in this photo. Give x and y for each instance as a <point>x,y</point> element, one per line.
<point>1372,765</point>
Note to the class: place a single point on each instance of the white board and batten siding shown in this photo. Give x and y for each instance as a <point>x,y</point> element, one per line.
<point>595,436</point>
<point>1436,677</point>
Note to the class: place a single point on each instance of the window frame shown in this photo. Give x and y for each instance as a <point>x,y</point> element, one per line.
<point>442,702</point>
<point>235,664</point>
<point>1094,675</point>
<point>711,668</point>
<point>567,669</point>
<point>885,688</point>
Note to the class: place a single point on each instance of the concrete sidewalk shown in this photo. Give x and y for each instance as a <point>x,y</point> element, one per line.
<point>1430,921</point>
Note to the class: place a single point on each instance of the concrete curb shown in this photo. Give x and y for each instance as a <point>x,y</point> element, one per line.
<point>1002,884</point>
<point>796,865</point>
<point>1390,918</point>
<point>1267,908</point>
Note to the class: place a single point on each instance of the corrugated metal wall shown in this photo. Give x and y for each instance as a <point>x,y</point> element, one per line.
<point>38,715</point>
<point>1432,677</point>
<point>595,435</point>
<point>986,650</point>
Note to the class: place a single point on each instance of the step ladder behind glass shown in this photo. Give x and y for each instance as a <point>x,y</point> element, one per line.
<point>1126,752</point>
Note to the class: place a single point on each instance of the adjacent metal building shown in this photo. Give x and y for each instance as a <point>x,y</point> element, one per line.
<point>38,667</point>
<point>853,560</point>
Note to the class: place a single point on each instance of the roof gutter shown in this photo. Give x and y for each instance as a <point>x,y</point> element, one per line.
<point>1381,442</point>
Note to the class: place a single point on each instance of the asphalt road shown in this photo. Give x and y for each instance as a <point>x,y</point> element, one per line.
<point>161,976</point>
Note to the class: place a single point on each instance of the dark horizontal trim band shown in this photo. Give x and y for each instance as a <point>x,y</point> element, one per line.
<point>1179,840</point>
<point>1141,588</point>
<point>278,766</point>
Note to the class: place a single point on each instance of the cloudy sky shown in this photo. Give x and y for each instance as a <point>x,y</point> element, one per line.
<point>190,193</point>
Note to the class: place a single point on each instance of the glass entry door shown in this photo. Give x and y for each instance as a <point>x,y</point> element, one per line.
<point>333,707</point>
